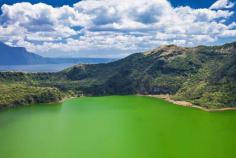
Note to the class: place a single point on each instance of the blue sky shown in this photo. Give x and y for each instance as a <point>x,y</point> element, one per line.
<point>56,3</point>
<point>107,28</point>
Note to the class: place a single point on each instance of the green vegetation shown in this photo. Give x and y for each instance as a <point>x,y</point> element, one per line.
<point>13,94</point>
<point>205,76</point>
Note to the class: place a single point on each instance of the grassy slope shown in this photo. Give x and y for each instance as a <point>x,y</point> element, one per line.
<point>203,75</point>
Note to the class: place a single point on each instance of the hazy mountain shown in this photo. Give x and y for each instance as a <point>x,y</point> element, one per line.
<point>20,56</point>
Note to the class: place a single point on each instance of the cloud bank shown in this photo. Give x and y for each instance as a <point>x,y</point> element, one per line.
<point>113,28</point>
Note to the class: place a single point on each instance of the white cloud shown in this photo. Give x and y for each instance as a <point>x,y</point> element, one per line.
<point>222,4</point>
<point>120,27</point>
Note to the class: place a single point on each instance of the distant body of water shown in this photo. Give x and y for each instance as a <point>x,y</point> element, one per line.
<point>36,68</point>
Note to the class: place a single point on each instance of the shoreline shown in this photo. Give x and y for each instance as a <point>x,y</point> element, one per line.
<point>188,104</point>
<point>168,98</point>
<point>165,97</point>
<point>67,98</point>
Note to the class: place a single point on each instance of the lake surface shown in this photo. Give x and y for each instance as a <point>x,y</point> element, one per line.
<point>116,127</point>
<point>36,68</point>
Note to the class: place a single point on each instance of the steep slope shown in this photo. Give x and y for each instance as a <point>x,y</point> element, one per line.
<point>162,70</point>
<point>214,85</point>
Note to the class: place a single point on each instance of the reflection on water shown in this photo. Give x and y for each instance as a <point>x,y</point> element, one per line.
<point>11,115</point>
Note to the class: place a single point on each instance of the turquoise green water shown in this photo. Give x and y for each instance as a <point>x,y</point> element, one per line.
<point>116,127</point>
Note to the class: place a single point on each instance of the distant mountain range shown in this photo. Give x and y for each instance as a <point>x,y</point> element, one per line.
<point>20,56</point>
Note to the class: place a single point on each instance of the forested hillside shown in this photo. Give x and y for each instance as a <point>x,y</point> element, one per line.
<point>203,75</point>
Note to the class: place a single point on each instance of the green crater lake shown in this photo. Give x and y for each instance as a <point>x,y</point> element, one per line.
<point>116,127</point>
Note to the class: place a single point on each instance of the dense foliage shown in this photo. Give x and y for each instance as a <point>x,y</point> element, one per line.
<point>203,75</point>
<point>13,94</point>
